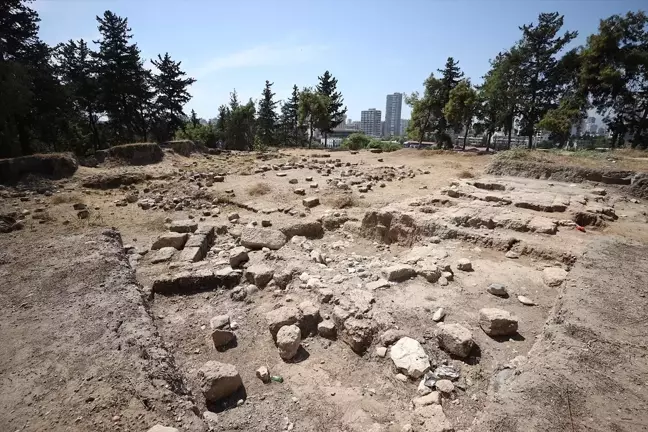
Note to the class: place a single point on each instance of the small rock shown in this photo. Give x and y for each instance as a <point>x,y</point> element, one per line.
<point>409,357</point>
<point>423,389</point>
<point>263,374</point>
<point>292,181</point>
<point>554,276</point>
<point>326,329</point>
<point>222,337</point>
<point>399,272</point>
<point>498,290</point>
<point>401,377</point>
<point>233,217</point>
<point>325,295</point>
<point>299,192</point>
<point>512,255</point>
<point>381,351</point>
<point>160,428</point>
<point>438,315</point>
<point>218,380</point>
<point>310,202</point>
<point>238,256</point>
<point>445,386</point>
<point>219,322</point>
<point>525,300</point>
<point>259,275</point>
<point>455,339</point>
<point>464,264</point>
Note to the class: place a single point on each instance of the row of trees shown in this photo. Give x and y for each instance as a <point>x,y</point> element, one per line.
<point>71,97</point>
<point>246,126</point>
<point>537,85</point>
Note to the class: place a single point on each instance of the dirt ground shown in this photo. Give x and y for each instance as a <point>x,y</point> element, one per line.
<point>91,345</point>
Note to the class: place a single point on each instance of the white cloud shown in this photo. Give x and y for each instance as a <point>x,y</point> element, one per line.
<point>262,55</point>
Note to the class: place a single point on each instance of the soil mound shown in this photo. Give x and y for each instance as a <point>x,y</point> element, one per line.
<point>132,154</point>
<point>54,166</point>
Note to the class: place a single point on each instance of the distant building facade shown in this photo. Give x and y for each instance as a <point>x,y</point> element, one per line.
<point>393,114</point>
<point>403,129</point>
<point>370,122</point>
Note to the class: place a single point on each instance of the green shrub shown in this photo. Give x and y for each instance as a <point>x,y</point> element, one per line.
<point>356,141</point>
<point>388,146</point>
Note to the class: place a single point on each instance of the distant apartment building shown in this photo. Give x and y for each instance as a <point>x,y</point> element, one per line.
<point>403,129</point>
<point>393,114</point>
<point>370,122</point>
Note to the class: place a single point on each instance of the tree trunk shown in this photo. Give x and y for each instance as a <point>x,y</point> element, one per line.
<point>531,139</point>
<point>465,138</point>
<point>488,141</point>
<point>325,139</point>
<point>310,137</point>
<point>508,143</point>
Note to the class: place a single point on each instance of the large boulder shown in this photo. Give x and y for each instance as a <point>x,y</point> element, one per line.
<point>258,238</point>
<point>455,339</point>
<point>288,340</point>
<point>218,380</point>
<point>409,357</point>
<point>497,322</point>
<point>280,317</point>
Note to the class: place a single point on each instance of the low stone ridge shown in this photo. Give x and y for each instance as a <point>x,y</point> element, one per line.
<point>187,282</point>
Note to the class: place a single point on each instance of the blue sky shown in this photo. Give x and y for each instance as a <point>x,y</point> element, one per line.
<point>373,47</point>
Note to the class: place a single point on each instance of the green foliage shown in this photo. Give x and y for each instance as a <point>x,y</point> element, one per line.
<point>559,121</point>
<point>356,141</point>
<point>291,129</point>
<point>333,113</point>
<point>461,107</point>
<point>267,119</point>
<point>313,111</point>
<point>198,133</point>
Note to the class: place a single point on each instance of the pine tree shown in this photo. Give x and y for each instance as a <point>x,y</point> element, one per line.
<point>170,86</point>
<point>461,108</point>
<point>78,72</point>
<point>194,119</point>
<point>239,124</point>
<point>540,85</point>
<point>335,112</point>
<point>267,119</point>
<point>292,132</point>
<point>450,77</point>
<point>125,84</point>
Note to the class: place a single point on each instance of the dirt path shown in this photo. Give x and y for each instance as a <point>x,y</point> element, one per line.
<point>589,369</point>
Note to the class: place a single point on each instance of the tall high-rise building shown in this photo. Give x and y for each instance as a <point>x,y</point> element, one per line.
<point>370,122</point>
<point>404,124</point>
<point>393,114</point>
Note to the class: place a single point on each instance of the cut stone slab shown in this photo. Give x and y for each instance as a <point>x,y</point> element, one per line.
<point>542,225</point>
<point>183,226</point>
<point>163,255</point>
<point>310,202</point>
<point>218,380</point>
<point>238,256</point>
<point>455,339</point>
<point>497,290</point>
<point>174,240</point>
<point>187,282</point>
<point>399,272</point>
<point>288,340</point>
<point>259,275</point>
<point>464,264</point>
<point>554,276</point>
<point>497,322</point>
<point>409,357</point>
<point>191,254</point>
<point>280,317</point>
<point>258,238</point>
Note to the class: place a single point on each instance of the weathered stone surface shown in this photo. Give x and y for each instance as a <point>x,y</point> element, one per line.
<point>200,280</point>
<point>183,226</point>
<point>430,271</point>
<point>222,337</point>
<point>160,428</point>
<point>163,255</point>
<point>326,329</point>
<point>258,238</point>
<point>238,256</point>
<point>288,340</point>
<point>191,254</point>
<point>310,202</point>
<point>542,225</point>
<point>280,317</point>
<point>399,272</point>
<point>464,264</point>
<point>497,289</point>
<point>497,322</point>
<point>218,380</point>
<point>554,276</point>
<point>380,283</point>
<point>259,274</point>
<point>310,229</point>
<point>361,299</point>
<point>284,276</point>
<point>433,419</point>
<point>174,240</point>
<point>409,357</point>
<point>432,398</point>
<point>358,334</point>
<point>455,339</point>
<point>310,317</point>
<point>324,295</point>
<point>444,386</point>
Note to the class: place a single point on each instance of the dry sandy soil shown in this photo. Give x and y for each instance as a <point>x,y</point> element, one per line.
<point>101,333</point>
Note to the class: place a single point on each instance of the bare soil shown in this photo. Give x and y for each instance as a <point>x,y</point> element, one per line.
<point>90,346</point>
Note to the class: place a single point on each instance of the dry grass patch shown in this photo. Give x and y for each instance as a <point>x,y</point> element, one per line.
<point>64,198</point>
<point>465,174</point>
<point>258,189</point>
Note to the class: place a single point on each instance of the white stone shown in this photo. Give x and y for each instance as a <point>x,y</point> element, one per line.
<point>409,357</point>
<point>438,315</point>
<point>381,351</point>
<point>554,276</point>
<point>497,322</point>
<point>525,300</point>
<point>288,340</point>
<point>464,264</point>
